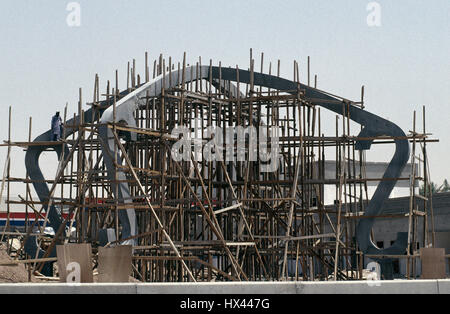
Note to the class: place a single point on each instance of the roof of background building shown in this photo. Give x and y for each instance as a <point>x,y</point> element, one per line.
<point>373,170</point>
<point>400,205</point>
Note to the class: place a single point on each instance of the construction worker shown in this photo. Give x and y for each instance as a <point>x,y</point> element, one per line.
<point>56,127</point>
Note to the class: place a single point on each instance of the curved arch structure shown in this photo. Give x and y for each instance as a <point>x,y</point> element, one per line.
<point>32,157</point>
<point>372,124</point>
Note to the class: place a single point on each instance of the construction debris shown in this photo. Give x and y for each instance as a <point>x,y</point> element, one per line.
<point>15,273</point>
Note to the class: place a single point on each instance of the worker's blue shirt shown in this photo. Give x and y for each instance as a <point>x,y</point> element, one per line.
<point>56,125</point>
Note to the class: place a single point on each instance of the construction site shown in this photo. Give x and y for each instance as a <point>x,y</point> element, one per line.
<point>256,211</point>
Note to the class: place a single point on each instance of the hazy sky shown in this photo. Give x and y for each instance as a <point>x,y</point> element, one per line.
<point>404,63</point>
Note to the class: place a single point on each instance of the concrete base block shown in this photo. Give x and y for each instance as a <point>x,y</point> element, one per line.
<point>245,288</point>
<point>62,288</point>
<point>219,288</point>
<point>370,287</point>
<point>444,286</point>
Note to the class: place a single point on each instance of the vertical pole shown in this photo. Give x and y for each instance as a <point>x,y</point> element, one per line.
<point>309,70</point>
<point>147,73</point>
<point>116,184</point>
<point>6,173</point>
<point>27,178</point>
<point>412,183</point>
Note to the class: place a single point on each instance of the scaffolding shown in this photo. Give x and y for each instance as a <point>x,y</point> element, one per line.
<point>202,220</point>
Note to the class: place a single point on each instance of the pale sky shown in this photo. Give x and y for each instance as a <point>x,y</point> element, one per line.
<point>404,63</point>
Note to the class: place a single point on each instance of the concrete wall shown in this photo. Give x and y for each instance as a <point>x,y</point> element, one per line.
<point>255,288</point>
<point>385,231</point>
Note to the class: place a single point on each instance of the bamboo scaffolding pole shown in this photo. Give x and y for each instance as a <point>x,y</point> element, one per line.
<point>166,235</point>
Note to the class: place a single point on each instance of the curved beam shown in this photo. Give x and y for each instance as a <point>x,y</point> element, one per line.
<point>373,126</point>
<point>34,172</point>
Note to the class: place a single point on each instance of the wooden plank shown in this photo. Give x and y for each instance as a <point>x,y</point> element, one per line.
<point>227,209</point>
<point>315,236</point>
<point>74,263</point>
<point>240,243</point>
<point>26,144</point>
<point>114,263</point>
<point>433,263</point>
<point>29,261</point>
